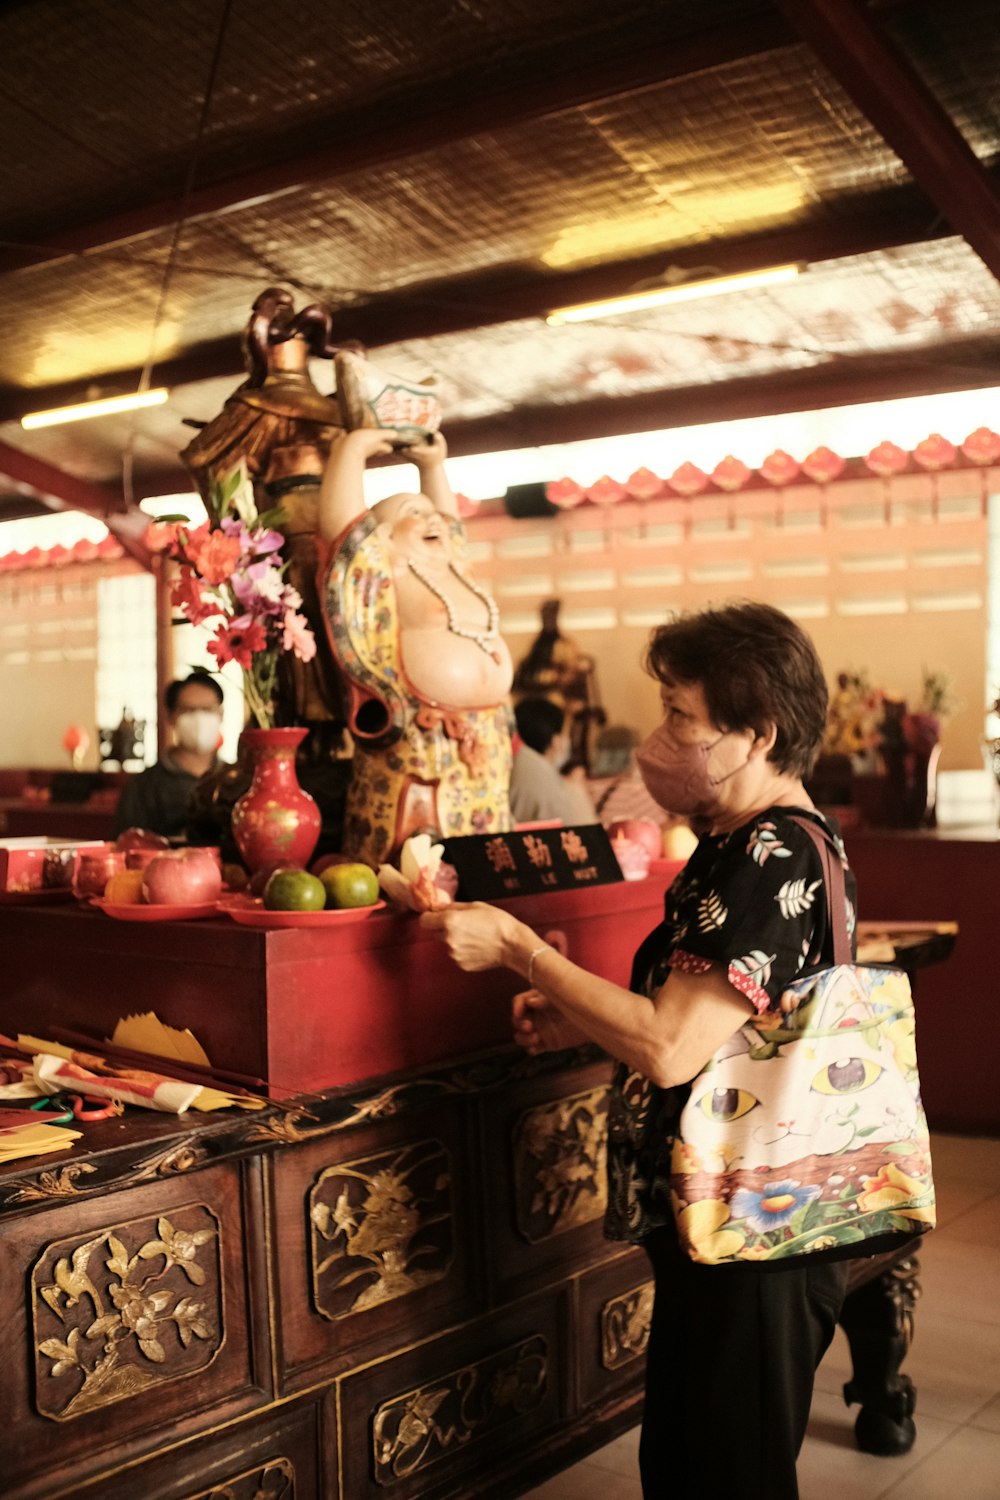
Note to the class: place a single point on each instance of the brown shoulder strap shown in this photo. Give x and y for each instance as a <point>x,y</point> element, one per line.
<point>836,893</point>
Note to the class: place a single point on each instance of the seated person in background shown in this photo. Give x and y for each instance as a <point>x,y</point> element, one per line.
<point>158,797</point>
<point>537,790</point>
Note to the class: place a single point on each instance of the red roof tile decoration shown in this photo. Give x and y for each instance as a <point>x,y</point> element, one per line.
<point>823,465</point>
<point>565,493</point>
<point>644,485</point>
<point>982,446</point>
<point>935,452</point>
<point>106,550</point>
<point>780,468</point>
<point>689,480</point>
<point>731,474</point>
<point>887,459</point>
<point>606,491</point>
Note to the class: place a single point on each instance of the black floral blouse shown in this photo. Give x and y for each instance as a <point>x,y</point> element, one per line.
<point>753,901</point>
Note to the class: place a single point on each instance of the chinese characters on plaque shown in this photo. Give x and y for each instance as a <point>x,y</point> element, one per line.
<point>492,865</point>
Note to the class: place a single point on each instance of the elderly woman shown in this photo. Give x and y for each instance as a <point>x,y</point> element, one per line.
<point>733,1348</point>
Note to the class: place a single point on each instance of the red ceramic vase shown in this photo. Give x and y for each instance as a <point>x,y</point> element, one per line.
<point>275,822</point>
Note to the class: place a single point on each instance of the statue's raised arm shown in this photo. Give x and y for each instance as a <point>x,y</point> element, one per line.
<point>342,492</point>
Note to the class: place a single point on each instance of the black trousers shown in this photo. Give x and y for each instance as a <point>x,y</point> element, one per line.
<point>730,1365</point>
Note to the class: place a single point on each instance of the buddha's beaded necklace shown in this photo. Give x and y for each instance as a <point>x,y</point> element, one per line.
<point>484,639</point>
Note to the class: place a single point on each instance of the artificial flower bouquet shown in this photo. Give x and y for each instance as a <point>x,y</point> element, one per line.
<point>231,572</point>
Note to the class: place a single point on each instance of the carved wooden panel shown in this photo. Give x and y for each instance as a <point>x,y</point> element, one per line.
<point>459,1405</point>
<point>273,1457</point>
<point>382,1227</point>
<point>134,1306</point>
<point>615,1306</point>
<point>416,1429</point>
<point>374,1238</point>
<point>544,1144</point>
<point>274,1480</point>
<point>560,1164</point>
<point>128,1317</point>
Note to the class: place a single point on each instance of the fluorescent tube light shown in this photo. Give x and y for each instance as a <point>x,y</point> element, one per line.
<point>87,409</point>
<point>683,291</point>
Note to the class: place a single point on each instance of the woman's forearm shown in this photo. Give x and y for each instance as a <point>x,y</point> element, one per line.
<point>616,1019</point>
<point>668,1039</point>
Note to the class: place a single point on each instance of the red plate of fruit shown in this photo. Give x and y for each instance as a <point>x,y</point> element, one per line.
<point>253,913</point>
<point>136,911</point>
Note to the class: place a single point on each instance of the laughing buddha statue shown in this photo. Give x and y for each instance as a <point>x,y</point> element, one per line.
<point>418,641</point>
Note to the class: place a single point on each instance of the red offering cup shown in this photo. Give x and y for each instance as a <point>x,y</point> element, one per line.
<point>94,869</point>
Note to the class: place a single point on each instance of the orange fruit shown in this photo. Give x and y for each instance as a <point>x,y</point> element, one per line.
<point>350,885</point>
<point>235,878</point>
<point>294,890</point>
<point>124,888</point>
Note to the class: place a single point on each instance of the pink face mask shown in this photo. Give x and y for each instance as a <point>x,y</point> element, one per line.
<point>677,776</point>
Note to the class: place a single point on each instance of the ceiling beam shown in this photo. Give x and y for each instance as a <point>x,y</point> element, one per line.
<point>891,94</point>
<point>899,217</point>
<point>554,79</point>
<point>843,382</point>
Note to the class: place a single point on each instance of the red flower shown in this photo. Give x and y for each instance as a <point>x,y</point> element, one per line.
<point>186,595</point>
<point>212,554</point>
<point>238,642</point>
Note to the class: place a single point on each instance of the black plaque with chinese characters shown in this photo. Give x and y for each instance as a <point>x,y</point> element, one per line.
<point>491,865</point>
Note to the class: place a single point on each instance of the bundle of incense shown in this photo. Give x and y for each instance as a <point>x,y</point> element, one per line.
<point>125,1080</point>
<point>190,1072</point>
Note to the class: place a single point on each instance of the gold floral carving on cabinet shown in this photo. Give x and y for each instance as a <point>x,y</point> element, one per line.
<point>625,1324</point>
<point>381,1228</point>
<point>414,1430</point>
<point>132,1307</point>
<point>274,1480</point>
<point>560,1154</point>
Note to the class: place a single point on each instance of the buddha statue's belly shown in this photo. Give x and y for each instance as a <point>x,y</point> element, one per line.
<point>449,670</point>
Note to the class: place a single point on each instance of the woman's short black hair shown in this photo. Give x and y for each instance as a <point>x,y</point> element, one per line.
<point>173,690</point>
<point>756,667</point>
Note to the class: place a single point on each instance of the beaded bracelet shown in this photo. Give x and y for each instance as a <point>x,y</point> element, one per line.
<point>542,948</point>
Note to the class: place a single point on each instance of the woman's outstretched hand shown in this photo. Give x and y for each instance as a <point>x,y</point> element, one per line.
<point>477,936</point>
<point>540,1027</point>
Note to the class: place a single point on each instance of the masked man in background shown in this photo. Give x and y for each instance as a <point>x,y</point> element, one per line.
<point>157,799</point>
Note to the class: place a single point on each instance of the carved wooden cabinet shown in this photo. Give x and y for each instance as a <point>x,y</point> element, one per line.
<point>397,1291</point>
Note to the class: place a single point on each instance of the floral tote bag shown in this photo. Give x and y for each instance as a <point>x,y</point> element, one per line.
<point>805,1133</point>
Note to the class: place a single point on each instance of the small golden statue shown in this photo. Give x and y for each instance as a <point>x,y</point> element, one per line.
<point>555,667</point>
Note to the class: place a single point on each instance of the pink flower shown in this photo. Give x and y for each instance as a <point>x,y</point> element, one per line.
<point>298,637</point>
<point>187,596</point>
<point>238,641</point>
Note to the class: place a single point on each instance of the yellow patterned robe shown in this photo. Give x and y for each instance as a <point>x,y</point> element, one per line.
<point>417,764</point>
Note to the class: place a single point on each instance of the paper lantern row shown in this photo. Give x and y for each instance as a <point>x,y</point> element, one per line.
<point>822,466</point>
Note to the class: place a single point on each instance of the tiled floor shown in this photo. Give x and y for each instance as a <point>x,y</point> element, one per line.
<point>954,1363</point>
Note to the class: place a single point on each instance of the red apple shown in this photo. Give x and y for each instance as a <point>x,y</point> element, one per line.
<point>642,831</point>
<point>141,838</point>
<point>181,877</point>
